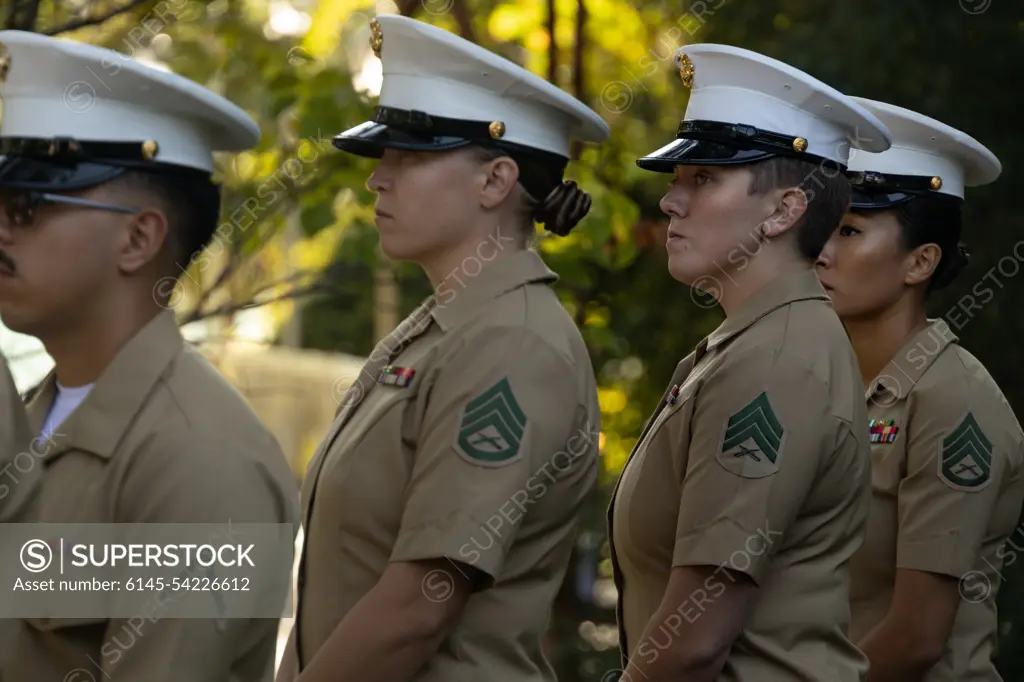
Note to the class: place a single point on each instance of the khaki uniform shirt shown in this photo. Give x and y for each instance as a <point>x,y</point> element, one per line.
<point>471,434</point>
<point>161,438</point>
<point>14,431</point>
<point>756,462</point>
<point>947,487</point>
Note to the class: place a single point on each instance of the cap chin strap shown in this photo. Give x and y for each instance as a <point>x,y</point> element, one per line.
<point>70,149</point>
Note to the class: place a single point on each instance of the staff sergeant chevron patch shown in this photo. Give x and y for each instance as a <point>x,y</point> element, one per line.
<point>965,457</point>
<point>752,440</point>
<point>492,427</point>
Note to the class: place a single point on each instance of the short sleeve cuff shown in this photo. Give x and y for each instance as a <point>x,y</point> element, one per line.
<point>458,538</point>
<point>725,544</point>
<point>936,555</point>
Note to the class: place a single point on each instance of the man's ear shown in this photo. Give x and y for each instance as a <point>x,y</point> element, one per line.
<point>500,177</point>
<point>144,236</point>
<point>790,206</point>
<point>921,263</point>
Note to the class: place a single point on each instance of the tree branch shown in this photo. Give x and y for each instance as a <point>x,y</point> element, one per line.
<point>231,308</point>
<point>96,20</point>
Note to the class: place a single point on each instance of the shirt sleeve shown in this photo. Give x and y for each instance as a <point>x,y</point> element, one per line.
<point>15,440</point>
<point>194,479</point>
<point>761,431</point>
<point>503,427</point>
<point>952,482</point>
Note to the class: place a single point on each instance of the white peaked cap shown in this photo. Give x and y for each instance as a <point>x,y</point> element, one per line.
<point>56,87</point>
<point>928,148</point>
<point>735,86</point>
<point>430,70</point>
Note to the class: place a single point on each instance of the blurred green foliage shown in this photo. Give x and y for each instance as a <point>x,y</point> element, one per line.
<point>956,61</point>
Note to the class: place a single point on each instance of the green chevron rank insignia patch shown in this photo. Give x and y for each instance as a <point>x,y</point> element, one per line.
<point>752,440</point>
<point>965,458</point>
<point>492,427</point>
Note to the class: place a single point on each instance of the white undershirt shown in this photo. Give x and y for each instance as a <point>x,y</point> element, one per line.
<point>68,399</point>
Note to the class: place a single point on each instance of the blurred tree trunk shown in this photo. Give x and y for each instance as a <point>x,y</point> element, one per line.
<point>552,43</point>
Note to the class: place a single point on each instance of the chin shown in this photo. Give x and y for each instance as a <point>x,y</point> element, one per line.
<point>846,309</point>
<point>686,269</point>
<point>398,247</point>
<point>18,320</point>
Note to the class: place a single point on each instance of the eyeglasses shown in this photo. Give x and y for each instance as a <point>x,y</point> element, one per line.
<point>21,205</point>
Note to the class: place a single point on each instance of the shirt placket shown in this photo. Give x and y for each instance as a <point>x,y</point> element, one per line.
<point>677,378</point>
<point>388,348</point>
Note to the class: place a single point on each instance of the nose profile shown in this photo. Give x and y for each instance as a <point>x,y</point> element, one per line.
<point>374,183</point>
<point>673,204</point>
<point>383,172</point>
<point>824,260</point>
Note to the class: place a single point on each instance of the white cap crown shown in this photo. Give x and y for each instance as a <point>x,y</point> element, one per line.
<point>434,71</point>
<point>56,87</point>
<point>925,147</point>
<point>734,85</point>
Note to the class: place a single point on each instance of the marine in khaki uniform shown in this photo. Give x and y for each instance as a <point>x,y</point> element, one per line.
<point>100,210</point>
<point>946,449</point>
<point>738,511</point>
<point>440,511</point>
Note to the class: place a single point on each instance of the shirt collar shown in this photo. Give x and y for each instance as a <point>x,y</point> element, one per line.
<point>100,421</point>
<point>899,377</point>
<point>463,294</point>
<point>781,291</point>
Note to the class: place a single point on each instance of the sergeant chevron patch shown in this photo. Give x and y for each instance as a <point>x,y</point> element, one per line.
<point>492,427</point>
<point>752,440</point>
<point>965,457</point>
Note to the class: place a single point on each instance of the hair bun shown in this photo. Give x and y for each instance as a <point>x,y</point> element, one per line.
<point>950,267</point>
<point>564,206</point>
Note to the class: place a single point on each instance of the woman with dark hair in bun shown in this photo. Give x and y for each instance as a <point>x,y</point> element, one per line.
<point>441,509</point>
<point>947,482</point>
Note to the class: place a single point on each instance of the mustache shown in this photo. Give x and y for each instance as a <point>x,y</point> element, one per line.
<point>7,261</point>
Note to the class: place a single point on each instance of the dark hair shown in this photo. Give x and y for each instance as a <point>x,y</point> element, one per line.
<point>191,202</point>
<point>828,196</point>
<point>561,208</point>
<point>934,220</point>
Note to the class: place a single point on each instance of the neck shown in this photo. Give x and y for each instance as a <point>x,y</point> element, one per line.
<point>876,340</point>
<point>453,267</point>
<point>84,349</point>
<point>754,274</point>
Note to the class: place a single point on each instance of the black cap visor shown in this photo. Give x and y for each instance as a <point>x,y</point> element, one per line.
<point>45,175</point>
<point>878,201</point>
<point>717,143</point>
<point>877,191</point>
<point>692,152</point>
<point>371,138</point>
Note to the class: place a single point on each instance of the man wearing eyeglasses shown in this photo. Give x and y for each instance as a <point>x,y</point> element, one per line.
<point>101,210</point>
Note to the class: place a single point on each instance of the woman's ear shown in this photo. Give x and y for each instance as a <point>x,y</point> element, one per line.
<point>500,177</point>
<point>921,264</point>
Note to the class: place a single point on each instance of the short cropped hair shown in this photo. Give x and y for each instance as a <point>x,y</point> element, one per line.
<point>828,196</point>
<point>191,202</point>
